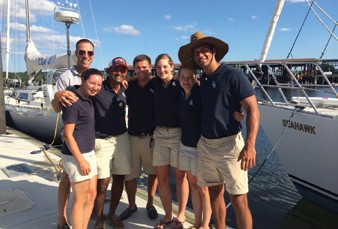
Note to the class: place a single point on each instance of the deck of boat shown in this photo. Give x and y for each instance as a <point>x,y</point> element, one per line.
<point>28,188</point>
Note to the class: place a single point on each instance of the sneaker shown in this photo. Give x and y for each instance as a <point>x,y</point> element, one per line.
<point>114,221</point>
<point>127,213</point>
<point>152,212</point>
<point>99,225</point>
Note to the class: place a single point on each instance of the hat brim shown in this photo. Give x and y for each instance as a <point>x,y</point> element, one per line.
<point>185,51</point>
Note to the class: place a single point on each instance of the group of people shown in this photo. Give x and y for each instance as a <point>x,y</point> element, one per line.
<point>191,126</point>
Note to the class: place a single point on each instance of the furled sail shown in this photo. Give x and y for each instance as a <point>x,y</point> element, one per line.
<point>36,62</point>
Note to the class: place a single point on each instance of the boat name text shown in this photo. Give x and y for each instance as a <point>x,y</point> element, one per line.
<point>299,126</point>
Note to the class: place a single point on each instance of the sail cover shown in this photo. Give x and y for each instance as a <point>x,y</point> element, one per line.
<point>36,62</point>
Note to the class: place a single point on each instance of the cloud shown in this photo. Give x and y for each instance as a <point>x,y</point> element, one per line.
<point>41,29</point>
<point>231,19</point>
<point>285,29</point>
<point>123,29</point>
<point>295,1</point>
<point>253,17</point>
<point>188,27</point>
<point>167,17</point>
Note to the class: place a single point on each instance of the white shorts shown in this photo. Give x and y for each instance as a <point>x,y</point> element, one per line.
<point>72,167</point>
<point>187,159</point>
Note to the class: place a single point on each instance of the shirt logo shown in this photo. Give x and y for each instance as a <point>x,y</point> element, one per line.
<point>174,83</point>
<point>213,84</point>
<point>191,102</point>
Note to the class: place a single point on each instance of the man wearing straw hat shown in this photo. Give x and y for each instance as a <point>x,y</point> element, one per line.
<point>224,156</point>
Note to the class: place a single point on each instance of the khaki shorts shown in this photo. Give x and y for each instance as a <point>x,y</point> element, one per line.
<point>167,141</point>
<point>72,167</point>
<point>141,149</point>
<point>217,164</point>
<point>187,159</point>
<point>113,155</point>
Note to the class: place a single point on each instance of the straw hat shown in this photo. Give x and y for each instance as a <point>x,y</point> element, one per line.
<point>185,52</point>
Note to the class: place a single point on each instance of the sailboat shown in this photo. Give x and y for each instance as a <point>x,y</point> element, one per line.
<point>28,108</point>
<point>302,129</point>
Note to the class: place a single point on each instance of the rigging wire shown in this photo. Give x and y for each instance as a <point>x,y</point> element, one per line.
<point>81,21</point>
<point>301,27</point>
<point>328,41</point>
<point>97,37</point>
<point>321,21</point>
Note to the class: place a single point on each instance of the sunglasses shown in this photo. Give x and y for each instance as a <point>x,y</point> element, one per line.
<point>89,53</point>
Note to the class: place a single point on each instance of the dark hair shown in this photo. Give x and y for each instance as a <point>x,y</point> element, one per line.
<point>91,71</point>
<point>164,56</point>
<point>141,57</point>
<point>84,40</point>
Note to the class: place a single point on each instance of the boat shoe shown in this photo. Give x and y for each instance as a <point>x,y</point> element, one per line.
<point>127,213</point>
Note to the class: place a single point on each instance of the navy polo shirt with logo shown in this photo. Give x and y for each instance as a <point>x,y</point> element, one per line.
<point>221,94</point>
<point>189,111</point>
<point>140,102</point>
<point>110,112</point>
<point>165,103</point>
<point>82,114</point>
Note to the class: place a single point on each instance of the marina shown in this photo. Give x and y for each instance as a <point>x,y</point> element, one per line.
<point>294,184</point>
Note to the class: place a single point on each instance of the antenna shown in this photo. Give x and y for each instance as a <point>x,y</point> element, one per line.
<point>68,14</point>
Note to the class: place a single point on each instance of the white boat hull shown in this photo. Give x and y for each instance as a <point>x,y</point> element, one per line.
<point>308,149</point>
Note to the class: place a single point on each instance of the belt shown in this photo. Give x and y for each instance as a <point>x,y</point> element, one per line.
<point>138,134</point>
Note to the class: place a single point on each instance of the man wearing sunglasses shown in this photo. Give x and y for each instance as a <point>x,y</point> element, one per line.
<point>84,53</point>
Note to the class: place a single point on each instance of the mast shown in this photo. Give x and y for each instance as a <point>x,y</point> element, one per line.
<point>277,11</point>
<point>8,36</point>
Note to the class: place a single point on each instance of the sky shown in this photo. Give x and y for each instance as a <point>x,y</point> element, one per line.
<point>131,27</point>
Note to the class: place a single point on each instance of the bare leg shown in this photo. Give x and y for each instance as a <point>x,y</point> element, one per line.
<point>182,192</point>
<point>206,206</point>
<point>218,205</point>
<point>196,199</point>
<point>152,186</point>
<point>242,211</point>
<point>91,196</point>
<point>63,196</point>
<point>80,195</point>
<point>102,186</point>
<point>163,176</point>
<point>116,193</point>
<point>131,188</point>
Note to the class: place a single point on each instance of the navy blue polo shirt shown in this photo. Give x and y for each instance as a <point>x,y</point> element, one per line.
<point>140,102</point>
<point>221,94</point>
<point>82,114</point>
<point>189,111</point>
<point>110,112</point>
<point>165,103</point>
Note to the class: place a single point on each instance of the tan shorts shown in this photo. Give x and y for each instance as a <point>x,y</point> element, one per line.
<point>113,155</point>
<point>141,149</point>
<point>187,159</point>
<point>217,164</point>
<point>167,141</point>
<point>72,167</point>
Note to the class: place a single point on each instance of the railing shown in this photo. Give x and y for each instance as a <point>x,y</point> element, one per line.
<point>270,73</point>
